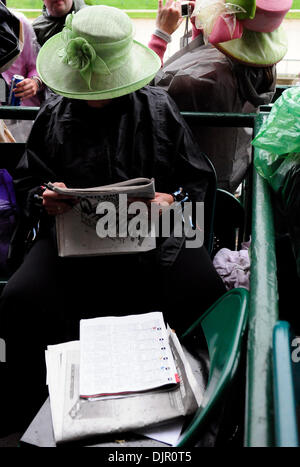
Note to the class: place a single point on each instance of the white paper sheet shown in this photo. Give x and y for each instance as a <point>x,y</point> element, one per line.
<point>168,433</point>
<point>125,354</point>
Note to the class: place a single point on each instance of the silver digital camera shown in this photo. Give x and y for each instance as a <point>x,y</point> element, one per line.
<point>186,9</point>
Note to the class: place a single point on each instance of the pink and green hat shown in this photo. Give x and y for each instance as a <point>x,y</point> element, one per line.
<point>247,30</point>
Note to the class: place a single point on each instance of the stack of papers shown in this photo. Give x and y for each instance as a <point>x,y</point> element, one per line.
<point>125,374</point>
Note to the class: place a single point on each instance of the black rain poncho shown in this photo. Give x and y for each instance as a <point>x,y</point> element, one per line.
<point>141,134</point>
<point>200,78</point>
<point>138,135</point>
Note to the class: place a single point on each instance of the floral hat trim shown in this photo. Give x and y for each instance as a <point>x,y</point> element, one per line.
<point>80,54</point>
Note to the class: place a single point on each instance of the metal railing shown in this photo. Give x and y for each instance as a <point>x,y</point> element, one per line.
<point>146,10</point>
<point>259,423</point>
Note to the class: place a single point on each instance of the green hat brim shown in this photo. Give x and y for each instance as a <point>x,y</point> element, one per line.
<point>257,48</point>
<point>140,67</point>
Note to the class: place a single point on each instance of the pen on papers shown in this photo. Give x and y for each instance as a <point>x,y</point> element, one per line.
<point>49,186</point>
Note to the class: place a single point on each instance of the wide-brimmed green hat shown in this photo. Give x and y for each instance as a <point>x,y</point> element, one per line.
<point>257,48</point>
<point>95,56</point>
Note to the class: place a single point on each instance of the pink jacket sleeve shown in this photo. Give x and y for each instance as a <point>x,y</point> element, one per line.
<point>158,46</point>
<point>30,52</point>
<point>195,31</point>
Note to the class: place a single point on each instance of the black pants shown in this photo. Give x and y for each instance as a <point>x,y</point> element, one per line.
<point>47,296</point>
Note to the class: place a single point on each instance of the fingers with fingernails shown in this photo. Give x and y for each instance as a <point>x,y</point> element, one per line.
<point>56,204</point>
<point>168,17</point>
<point>26,88</point>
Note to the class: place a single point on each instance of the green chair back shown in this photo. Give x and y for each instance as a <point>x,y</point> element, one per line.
<point>223,326</point>
<point>286,385</point>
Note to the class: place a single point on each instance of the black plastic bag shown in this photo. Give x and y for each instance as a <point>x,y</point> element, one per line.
<point>290,195</point>
<point>11,37</point>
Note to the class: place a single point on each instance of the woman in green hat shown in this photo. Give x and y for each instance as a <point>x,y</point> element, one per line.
<point>103,126</point>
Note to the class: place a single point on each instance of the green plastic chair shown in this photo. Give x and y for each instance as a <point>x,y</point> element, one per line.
<point>286,385</point>
<point>223,325</point>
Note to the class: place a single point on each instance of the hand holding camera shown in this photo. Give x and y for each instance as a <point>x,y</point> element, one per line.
<point>171,15</point>
<point>168,17</point>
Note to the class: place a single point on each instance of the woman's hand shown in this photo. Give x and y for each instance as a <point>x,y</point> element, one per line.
<point>55,204</point>
<point>26,88</point>
<point>168,17</point>
<point>162,199</point>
